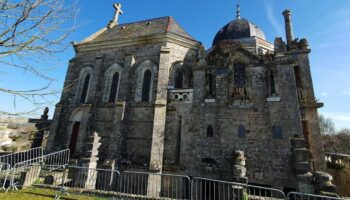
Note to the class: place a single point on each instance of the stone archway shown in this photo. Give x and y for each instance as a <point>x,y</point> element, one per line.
<point>74,130</point>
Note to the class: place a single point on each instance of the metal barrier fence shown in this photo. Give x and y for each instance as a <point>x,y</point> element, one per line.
<point>21,156</point>
<point>81,180</point>
<point>303,196</point>
<point>24,174</point>
<point>145,185</point>
<point>4,173</point>
<point>210,189</point>
<point>103,183</point>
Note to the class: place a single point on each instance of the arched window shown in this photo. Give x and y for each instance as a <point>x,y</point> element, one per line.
<point>210,132</point>
<point>179,78</point>
<point>146,86</point>
<point>209,161</point>
<point>272,83</point>
<point>241,132</point>
<point>239,75</point>
<point>85,89</point>
<point>277,133</point>
<point>114,88</point>
<point>297,75</point>
<point>210,84</point>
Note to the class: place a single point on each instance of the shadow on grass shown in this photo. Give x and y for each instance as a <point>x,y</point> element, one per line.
<point>48,195</point>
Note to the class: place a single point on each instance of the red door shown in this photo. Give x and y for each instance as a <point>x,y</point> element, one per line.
<point>74,138</point>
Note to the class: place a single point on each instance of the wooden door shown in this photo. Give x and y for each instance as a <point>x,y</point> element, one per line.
<point>74,138</point>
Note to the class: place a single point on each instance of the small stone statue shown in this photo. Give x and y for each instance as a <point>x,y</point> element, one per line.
<point>299,44</point>
<point>239,95</point>
<point>45,115</point>
<point>46,111</point>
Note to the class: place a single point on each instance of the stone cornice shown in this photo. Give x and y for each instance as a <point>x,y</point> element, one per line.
<point>123,42</point>
<point>298,51</point>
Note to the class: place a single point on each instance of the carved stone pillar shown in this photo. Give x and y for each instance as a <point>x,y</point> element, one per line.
<point>239,169</point>
<point>157,150</point>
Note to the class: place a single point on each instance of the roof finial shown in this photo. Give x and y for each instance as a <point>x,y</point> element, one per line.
<point>118,12</point>
<point>238,16</point>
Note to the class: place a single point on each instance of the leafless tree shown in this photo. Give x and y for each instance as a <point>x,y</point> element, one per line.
<point>326,125</point>
<point>337,143</point>
<point>32,30</point>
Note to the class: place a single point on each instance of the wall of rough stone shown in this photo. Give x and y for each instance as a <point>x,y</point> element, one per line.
<point>267,158</point>
<point>310,108</point>
<point>104,112</point>
<point>126,127</point>
<point>137,141</point>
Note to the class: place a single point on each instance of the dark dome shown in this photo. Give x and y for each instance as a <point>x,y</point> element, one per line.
<point>237,29</point>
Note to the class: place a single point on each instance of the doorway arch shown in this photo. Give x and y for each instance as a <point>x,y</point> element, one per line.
<point>75,130</point>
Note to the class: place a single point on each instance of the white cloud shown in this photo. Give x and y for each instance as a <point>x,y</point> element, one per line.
<point>272,18</point>
<point>345,117</point>
<point>341,120</point>
<point>324,94</point>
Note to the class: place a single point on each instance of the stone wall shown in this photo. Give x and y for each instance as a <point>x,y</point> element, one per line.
<point>197,136</point>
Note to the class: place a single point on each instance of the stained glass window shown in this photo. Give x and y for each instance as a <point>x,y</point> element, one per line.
<point>241,132</point>
<point>146,86</point>
<point>210,131</point>
<point>239,75</point>
<point>179,77</point>
<point>114,88</point>
<point>277,132</point>
<point>85,88</point>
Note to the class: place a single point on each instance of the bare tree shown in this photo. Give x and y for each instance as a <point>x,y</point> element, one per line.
<point>32,30</point>
<point>337,143</point>
<point>326,125</point>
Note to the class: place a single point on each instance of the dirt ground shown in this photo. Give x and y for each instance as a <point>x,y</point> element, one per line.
<point>341,180</point>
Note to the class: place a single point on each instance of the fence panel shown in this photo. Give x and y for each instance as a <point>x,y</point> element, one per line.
<point>210,189</point>
<point>100,183</point>
<point>92,182</point>
<point>21,156</point>
<point>4,174</point>
<point>145,185</point>
<point>24,174</point>
<point>304,196</point>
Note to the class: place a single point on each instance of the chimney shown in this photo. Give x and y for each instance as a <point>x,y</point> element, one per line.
<point>289,26</point>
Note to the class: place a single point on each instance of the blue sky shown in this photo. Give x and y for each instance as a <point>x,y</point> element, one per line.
<point>325,23</point>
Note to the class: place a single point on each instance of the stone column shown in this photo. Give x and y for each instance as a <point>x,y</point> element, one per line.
<point>323,184</point>
<point>126,80</point>
<point>29,177</point>
<point>239,169</point>
<point>93,140</point>
<point>301,159</point>
<point>107,178</point>
<point>156,161</point>
<point>289,26</point>
<point>43,126</point>
<point>90,162</point>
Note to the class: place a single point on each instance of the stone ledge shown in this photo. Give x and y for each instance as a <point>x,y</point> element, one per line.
<point>273,99</point>
<point>210,100</point>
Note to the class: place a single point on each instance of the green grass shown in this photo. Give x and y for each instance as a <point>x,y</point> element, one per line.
<point>41,194</point>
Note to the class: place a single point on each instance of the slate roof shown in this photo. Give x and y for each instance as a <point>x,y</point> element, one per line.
<point>142,28</point>
<point>237,29</point>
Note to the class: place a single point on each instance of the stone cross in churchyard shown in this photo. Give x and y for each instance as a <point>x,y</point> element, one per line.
<point>118,11</point>
<point>42,125</point>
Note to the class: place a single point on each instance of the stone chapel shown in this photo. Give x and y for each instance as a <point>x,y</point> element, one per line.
<point>147,96</point>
